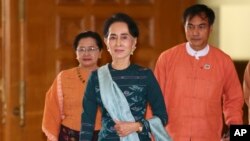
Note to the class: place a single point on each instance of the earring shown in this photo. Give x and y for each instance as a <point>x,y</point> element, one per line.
<point>132,52</point>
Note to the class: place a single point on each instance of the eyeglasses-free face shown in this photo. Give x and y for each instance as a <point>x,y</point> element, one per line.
<point>120,43</point>
<point>197,30</point>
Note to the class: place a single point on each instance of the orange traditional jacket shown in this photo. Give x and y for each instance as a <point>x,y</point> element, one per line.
<point>246,88</point>
<point>196,92</point>
<point>63,103</point>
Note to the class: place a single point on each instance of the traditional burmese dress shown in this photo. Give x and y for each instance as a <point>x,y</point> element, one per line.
<point>63,106</point>
<point>139,87</point>
<point>198,87</point>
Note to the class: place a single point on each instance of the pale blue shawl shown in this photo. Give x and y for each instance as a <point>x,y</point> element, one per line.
<point>117,106</point>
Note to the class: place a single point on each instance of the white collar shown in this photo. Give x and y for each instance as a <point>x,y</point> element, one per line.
<point>197,54</point>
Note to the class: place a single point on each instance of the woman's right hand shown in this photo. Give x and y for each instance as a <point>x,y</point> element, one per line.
<point>125,128</point>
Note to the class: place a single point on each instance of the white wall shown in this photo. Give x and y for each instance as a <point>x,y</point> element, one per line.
<point>232,27</point>
<point>224,2</point>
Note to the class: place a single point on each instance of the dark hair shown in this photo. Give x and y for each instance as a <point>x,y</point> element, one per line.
<point>121,17</point>
<point>201,10</point>
<point>87,34</point>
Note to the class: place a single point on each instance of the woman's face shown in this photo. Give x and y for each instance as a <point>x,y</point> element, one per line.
<point>87,52</point>
<point>120,43</point>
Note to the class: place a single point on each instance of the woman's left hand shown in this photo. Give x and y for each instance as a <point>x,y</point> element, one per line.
<point>125,128</point>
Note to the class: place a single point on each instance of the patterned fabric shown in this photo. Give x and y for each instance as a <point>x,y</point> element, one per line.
<point>67,134</point>
<point>111,92</point>
<point>118,108</point>
<point>139,86</point>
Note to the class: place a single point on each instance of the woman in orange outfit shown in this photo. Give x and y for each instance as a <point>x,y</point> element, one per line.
<point>63,103</point>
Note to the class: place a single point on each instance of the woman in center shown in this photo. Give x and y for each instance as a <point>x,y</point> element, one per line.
<point>123,90</point>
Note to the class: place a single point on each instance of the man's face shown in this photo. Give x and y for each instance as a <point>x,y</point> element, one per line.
<point>197,30</point>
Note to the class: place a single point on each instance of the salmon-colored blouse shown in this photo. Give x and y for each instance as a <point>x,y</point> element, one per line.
<point>63,103</point>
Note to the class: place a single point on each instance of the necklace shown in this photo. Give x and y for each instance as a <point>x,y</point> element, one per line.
<point>79,75</point>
